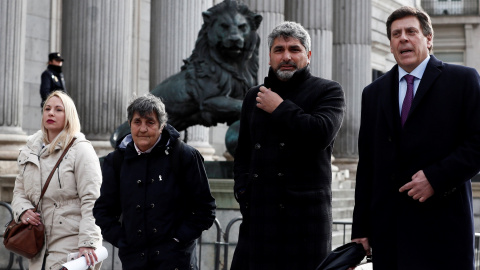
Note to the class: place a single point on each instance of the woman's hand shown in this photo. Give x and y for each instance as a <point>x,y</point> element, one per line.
<point>89,254</point>
<point>30,217</point>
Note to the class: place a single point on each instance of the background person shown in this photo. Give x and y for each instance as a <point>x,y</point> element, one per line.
<point>66,208</point>
<point>282,168</point>
<point>52,78</point>
<point>159,188</point>
<point>419,145</point>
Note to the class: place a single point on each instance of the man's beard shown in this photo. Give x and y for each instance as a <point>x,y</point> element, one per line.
<point>285,75</point>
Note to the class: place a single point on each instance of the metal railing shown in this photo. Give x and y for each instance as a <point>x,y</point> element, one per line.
<point>451,7</point>
<point>222,239</point>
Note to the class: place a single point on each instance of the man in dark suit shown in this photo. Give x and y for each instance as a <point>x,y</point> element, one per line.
<point>419,146</point>
<point>52,77</point>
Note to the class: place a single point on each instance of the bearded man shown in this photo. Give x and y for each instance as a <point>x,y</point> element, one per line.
<point>282,168</point>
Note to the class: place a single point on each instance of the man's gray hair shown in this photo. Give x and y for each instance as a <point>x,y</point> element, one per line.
<point>145,105</point>
<point>290,29</point>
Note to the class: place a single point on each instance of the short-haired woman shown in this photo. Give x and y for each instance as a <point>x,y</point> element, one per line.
<point>155,199</point>
<point>66,208</point>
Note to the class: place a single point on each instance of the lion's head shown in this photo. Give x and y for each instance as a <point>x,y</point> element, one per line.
<point>228,33</point>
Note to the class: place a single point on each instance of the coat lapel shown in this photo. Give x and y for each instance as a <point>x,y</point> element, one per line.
<point>432,71</point>
<point>390,100</point>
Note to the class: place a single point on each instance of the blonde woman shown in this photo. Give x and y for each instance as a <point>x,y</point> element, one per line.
<point>66,208</point>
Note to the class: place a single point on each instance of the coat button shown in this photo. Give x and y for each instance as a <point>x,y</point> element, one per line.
<point>281,206</point>
<point>154,230</point>
<point>152,205</point>
<point>255,175</point>
<point>157,252</point>
<point>142,254</point>
<point>282,145</point>
<point>138,208</point>
<point>257,146</point>
<point>139,232</point>
<point>280,174</point>
<point>139,182</point>
<point>153,180</point>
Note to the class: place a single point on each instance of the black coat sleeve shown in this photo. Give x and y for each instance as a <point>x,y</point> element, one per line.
<point>244,148</point>
<point>201,209</point>
<point>107,209</point>
<point>464,161</point>
<point>46,85</point>
<point>321,124</point>
<point>363,185</point>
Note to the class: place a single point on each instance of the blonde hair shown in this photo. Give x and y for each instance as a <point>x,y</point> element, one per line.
<point>72,122</point>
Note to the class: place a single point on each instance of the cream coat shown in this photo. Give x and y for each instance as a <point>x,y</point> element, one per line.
<point>66,208</point>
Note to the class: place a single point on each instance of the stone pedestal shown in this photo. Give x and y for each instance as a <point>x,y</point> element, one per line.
<point>198,137</point>
<point>351,66</point>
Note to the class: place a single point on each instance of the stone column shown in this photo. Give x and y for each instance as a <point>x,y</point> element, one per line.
<point>316,16</point>
<point>12,57</point>
<point>351,67</point>
<point>175,25</point>
<point>273,14</point>
<point>98,67</point>
<point>180,21</point>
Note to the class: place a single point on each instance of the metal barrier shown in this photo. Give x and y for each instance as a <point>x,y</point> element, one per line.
<point>12,255</point>
<point>217,244</point>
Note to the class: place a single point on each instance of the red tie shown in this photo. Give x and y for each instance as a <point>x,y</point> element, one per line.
<point>407,101</point>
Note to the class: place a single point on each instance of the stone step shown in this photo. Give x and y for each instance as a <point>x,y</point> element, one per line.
<point>343,202</point>
<point>342,213</point>
<point>343,184</point>
<point>343,193</point>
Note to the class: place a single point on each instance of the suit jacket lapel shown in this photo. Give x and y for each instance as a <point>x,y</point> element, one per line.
<point>432,71</point>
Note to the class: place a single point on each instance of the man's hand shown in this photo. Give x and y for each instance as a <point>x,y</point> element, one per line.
<point>366,246</point>
<point>268,100</point>
<point>419,188</point>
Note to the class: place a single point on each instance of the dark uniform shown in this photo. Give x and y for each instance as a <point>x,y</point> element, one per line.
<point>52,78</point>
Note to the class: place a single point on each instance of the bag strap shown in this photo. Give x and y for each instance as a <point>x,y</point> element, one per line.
<point>52,172</point>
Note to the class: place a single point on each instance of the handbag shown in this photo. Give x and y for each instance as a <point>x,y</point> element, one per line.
<point>26,239</point>
<point>343,257</point>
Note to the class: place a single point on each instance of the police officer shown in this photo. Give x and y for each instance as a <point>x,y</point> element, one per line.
<point>52,77</point>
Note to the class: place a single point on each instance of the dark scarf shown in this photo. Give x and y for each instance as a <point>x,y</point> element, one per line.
<point>55,69</point>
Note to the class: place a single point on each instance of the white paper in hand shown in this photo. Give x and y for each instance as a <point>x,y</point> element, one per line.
<point>81,263</point>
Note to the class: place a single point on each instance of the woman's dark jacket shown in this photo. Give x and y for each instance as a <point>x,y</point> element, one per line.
<point>283,166</point>
<point>146,203</point>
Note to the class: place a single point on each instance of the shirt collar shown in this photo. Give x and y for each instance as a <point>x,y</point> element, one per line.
<point>417,72</point>
<point>139,152</point>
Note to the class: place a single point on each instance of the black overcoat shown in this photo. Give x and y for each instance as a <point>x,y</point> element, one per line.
<point>283,161</point>
<point>441,136</point>
<point>156,203</point>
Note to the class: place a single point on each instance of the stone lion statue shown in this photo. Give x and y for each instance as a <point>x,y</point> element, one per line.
<point>213,81</point>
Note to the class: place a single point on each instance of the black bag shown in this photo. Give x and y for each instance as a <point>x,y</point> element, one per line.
<point>26,239</point>
<point>343,257</point>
